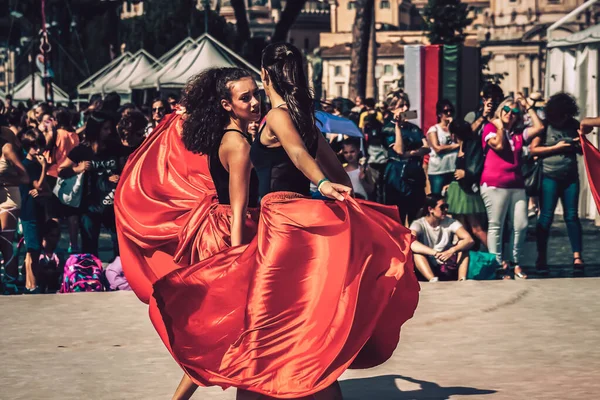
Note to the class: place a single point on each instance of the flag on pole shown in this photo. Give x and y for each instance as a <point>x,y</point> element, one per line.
<point>591,156</point>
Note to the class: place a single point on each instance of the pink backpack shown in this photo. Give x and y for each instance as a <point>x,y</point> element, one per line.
<point>82,273</point>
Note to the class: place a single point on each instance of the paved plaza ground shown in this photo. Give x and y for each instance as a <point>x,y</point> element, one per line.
<point>535,339</point>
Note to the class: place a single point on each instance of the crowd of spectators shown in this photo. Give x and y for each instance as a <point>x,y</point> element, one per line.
<point>459,186</point>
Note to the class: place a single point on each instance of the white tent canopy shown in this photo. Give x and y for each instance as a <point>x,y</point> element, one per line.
<point>119,78</point>
<point>193,57</point>
<point>572,67</point>
<point>165,57</point>
<point>90,85</point>
<point>22,91</point>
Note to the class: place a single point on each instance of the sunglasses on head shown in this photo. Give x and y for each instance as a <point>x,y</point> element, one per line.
<point>515,111</point>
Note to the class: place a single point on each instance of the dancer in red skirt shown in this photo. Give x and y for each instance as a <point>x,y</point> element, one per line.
<point>176,207</point>
<point>324,286</point>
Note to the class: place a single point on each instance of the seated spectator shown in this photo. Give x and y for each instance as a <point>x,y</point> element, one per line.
<point>435,230</point>
<point>356,171</point>
<point>49,266</point>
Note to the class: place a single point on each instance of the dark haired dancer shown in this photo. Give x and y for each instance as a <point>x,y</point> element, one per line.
<point>324,285</point>
<point>168,215</point>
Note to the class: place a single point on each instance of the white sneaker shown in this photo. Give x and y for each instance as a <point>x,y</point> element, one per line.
<point>434,279</point>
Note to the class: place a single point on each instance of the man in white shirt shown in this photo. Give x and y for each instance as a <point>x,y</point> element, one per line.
<point>437,231</point>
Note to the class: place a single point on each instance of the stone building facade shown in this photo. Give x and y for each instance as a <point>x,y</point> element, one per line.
<point>512,33</point>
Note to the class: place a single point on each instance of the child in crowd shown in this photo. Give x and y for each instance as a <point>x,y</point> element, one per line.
<point>49,266</point>
<point>356,171</point>
<point>32,206</point>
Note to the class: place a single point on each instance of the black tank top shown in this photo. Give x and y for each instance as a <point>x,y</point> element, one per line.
<point>276,172</point>
<point>220,177</point>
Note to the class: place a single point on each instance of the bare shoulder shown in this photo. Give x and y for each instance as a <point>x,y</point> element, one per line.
<point>234,141</point>
<point>277,116</point>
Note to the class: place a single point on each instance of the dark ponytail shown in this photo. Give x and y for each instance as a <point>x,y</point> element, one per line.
<point>284,65</point>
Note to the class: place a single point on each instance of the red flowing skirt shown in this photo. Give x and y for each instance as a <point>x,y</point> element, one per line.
<point>166,210</point>
<point>324,286</point>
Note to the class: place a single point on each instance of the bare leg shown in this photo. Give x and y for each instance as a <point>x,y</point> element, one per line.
<point>186,388</point>
<point>463,266</point>
<point>8,223</point>
<point>477,229</point>
<point>423,266</point>
<point>73,224</point>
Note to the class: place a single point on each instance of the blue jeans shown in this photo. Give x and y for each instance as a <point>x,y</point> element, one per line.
<point>568,192</point>
<point>437,182</point>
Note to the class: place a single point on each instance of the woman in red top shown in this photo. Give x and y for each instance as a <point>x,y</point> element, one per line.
<point>502,184</point>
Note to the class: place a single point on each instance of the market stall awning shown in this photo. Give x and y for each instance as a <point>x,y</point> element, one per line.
<point>22,91</point>
<point>191,59</point>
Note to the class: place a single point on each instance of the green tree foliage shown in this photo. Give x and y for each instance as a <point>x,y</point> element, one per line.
<point>446,20</point>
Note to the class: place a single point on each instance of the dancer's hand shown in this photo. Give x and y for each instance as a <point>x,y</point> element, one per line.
<point>334,190</point>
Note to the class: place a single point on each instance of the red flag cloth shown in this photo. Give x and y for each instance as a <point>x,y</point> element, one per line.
<point>591,156</point>
<point>324,286</point>
<point>166,209</point>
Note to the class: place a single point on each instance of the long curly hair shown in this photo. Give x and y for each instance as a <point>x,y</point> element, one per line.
<point>205,118</point>
<point>560,106</point>
<point>283,63</point>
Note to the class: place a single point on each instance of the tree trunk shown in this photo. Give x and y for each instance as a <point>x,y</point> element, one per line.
<point>241,22</point>
<point>372,62</point>
<point>360,48</point>
<point>288,17</point>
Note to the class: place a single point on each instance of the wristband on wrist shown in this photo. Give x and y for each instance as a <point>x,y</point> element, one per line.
<point>321,182</point>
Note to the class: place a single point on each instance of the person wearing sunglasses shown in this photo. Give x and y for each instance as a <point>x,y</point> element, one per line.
<point>159,109</point>
<point>436,230</point>
<point>444,150</point>
<point>502,184</point>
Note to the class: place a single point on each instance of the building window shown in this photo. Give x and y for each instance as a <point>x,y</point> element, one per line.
<point>337,70</point>
<point>351,5</point>
<point>554,1</point>
<point>388,69</point>
<point>339,88</point>
<point>385,4</point>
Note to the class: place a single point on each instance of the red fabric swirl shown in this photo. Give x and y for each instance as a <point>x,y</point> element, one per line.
<point>167,211</point>
<point>323,286</point>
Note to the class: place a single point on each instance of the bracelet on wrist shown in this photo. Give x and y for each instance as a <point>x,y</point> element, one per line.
<point>321,182</point>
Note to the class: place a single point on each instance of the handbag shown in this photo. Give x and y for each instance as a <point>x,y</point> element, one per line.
<point>532,175</point>
<point>69,190</point>
<point>482,266</point>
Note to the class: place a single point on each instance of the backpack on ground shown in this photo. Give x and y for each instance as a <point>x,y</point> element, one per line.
<point>82,273</point>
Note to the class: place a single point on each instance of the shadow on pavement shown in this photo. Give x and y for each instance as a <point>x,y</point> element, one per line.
<point>384,388</point>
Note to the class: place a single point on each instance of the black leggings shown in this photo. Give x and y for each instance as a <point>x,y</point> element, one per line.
<point>90,230</point>
<point>408,206</point>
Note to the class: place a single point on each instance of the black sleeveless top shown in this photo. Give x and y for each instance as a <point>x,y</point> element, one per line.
<point>220,177</point>
<point>276,172</point>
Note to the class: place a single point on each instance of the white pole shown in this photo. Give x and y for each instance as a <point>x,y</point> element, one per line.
<point>569,17</point>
